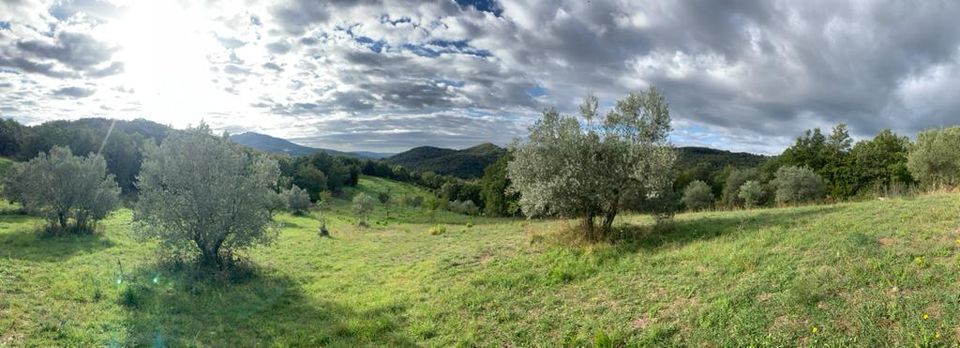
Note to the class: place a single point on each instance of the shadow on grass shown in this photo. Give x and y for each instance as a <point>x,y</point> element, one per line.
<point>680,232</point>
<point>29,242</point>
<point>174,308</point>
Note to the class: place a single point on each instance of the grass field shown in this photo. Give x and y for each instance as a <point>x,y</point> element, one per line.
<point>872,273</point>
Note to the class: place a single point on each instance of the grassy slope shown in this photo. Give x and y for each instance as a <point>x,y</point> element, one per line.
<point>860,273</point>
<point>5,164</point>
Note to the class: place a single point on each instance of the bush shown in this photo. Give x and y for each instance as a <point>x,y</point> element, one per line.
<point>935,158</point>
<point>751,193</point>
<point>205,193</point>
<point>697,196</point>
<point>730,194</point>
<point>797,185</point>
<point>413,200</point>
<point>438,230</point>
<point>62,187</point>
<point>298,200</point>
<point>466,207</point>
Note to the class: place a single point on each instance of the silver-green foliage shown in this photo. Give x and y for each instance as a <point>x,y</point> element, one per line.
<point>797,185</point>
<point>751,192</point>
<point>298,200</point>
<point>62,188</point>
<point>698,196</point>
<point>466,207</point>
<point>934,159</point>
<point>203,192</point>
<point>362,205</point>
<point>620,161</point>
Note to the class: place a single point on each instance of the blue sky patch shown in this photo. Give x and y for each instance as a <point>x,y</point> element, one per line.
<point>376,46</point>
<point>537,91</point>
<point>5,25</point>
<point>491,6</point>
<point>447,82</point>
<point>386,19</point>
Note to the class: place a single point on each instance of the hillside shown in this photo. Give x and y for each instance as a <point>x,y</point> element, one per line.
<point>271,144</point>
<point>714,159</point>
<point>876,273</point>
<point>467,163</point>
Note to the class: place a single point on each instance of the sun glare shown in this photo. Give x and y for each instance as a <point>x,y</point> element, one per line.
<point>165,48</point>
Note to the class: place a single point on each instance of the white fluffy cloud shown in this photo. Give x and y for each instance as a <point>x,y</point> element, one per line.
<point>389,75</point>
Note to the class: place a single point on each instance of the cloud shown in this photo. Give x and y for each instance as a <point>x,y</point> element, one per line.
<point>76,50</point>
<point>389,75</point>
<point>74,92</point>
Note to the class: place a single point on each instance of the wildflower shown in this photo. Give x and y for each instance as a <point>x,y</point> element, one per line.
<point>925,316</point>
<point>814,330</point>
<point>936,334</point>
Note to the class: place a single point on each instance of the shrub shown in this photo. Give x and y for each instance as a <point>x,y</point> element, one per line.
<point>438,230</point>
<point>751,193</point>
<point>413,200</point>
<point>730,194</point>
<point>469,208</point>
<point>935,158</point>
<point>466,207</point>
<point>206,193</point>
<point>298,200</point>
<point>362,205</point>
<point>62,187</point>
<point>797,185</point>
<point>698,196</point>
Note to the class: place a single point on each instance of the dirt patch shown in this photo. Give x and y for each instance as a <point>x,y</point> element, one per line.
<point>641,323</point>
<point>484,257</point>
<point>932,310</point>
<point>764,297</point>
<point>887,241</point>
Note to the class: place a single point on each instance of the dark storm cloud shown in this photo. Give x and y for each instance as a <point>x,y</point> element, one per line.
<point>30,66</point>
<point>67,55</point>
<point>74,92</point>
<point>77,50</point>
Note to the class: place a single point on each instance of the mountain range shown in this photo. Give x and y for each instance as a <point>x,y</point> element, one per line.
<point>272,144</point>
<point>469,163</point>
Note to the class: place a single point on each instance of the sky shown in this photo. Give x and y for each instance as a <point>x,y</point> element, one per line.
<point>391,75</point>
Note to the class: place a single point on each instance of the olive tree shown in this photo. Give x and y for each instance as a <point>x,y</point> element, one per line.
<point>200,192</point>
<point>935,158</point>
<point>62,188</point>
<point>298,200</point>
<point>798,185</point>
<point>751,192</point>
<point>363,204</point>
<point>697,196</point>
<point>608,164</point>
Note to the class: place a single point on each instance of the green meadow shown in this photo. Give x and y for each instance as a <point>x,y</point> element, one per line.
<point>873,273</point>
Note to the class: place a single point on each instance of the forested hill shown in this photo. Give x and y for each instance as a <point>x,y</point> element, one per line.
<point>272,144</point>
<point>713,159</point>
<point>467,163</point>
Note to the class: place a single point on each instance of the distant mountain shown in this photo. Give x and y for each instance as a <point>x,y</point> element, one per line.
<point>467,163</point>
<point>372,155</point>
<point>713,159</point>
<point>271,144</point>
